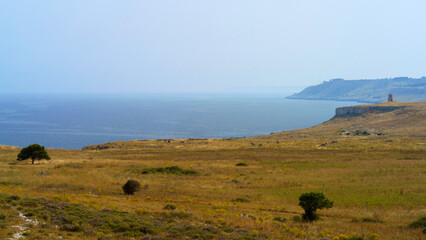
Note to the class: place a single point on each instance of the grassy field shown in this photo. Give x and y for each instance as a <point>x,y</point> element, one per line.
<point>377,185</point>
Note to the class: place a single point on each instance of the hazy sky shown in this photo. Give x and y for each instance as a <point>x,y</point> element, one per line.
<point>197,46</point>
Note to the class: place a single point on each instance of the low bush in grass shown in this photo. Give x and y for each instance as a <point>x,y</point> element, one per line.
<point>170,207</point>
<point>241,164</point>
<point>371,220</point>
<point>361,133</point>
<point>419,223</point>
<point>242,200</point>
<point>280,219</point>
<point>297,218</point>
<point>175,170</point>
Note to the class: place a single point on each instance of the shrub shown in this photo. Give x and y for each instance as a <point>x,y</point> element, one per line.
<point>168,170</point>
<point>311,202</point>
<point>374,236</point>
<point>170,207</point>
<point>371,220</point>
<point>131,187</point>
<point>71,228</point>
<point>363,133</point>
<point>419,223</point>
<point>29,213</point>
<point>241,164</point>
<point>297,218</point>
<point>280,219</point>
<point>14,197</point>
<point>243,200</point>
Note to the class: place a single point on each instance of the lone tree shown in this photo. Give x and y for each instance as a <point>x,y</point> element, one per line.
<point>312,201</point>
<point>35,152</point>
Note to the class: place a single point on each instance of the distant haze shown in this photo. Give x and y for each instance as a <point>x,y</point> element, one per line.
<point>206,46</point>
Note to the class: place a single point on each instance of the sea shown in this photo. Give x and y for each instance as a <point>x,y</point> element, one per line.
<point>72,121</point>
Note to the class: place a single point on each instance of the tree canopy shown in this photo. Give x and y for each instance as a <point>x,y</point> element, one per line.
<point>312,201</point>
<point>34,151</point>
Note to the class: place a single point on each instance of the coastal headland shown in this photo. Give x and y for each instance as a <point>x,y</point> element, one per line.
<point>371,164</point>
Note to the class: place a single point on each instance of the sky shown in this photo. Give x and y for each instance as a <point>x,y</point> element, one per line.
<point>108,46</point>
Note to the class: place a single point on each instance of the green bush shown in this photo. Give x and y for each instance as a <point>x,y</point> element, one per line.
<point>419,223</point>
<point>371,220</point>
<point>71,228</point>
<point>13,198</point>
<point>241,164</point>
<point>311,202</point>
<point>170,207</point>
<point>175,170</point>
<point>363,133</point>
<point>297,218</point>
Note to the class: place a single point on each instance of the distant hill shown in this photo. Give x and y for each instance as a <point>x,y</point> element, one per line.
<point>404,89</point>
<point>382,121</point>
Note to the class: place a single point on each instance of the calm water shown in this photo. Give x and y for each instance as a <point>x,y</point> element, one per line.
<point>74,121</point>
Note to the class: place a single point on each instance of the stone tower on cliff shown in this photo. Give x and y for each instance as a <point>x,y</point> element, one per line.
<point>390,97</point>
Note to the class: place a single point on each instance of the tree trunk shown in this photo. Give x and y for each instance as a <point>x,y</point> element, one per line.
<point>32,160</point>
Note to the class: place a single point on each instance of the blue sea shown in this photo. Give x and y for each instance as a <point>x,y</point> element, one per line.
<point>72,121</point>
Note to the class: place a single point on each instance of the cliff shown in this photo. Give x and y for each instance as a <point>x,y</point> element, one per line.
<point>359,110</point>
<point>369,91</point>
<point>383,120</point>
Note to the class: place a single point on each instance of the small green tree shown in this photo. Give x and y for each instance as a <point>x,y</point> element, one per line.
<point>312,201</point>
<point>35,152</point>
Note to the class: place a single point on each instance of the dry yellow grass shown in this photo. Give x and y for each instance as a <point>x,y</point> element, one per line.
<point>366,178</point>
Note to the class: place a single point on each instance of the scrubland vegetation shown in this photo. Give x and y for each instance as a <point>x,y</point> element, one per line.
<point>197,189</point>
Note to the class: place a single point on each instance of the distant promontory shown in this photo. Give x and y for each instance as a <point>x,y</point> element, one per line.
<point>404,89</point>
